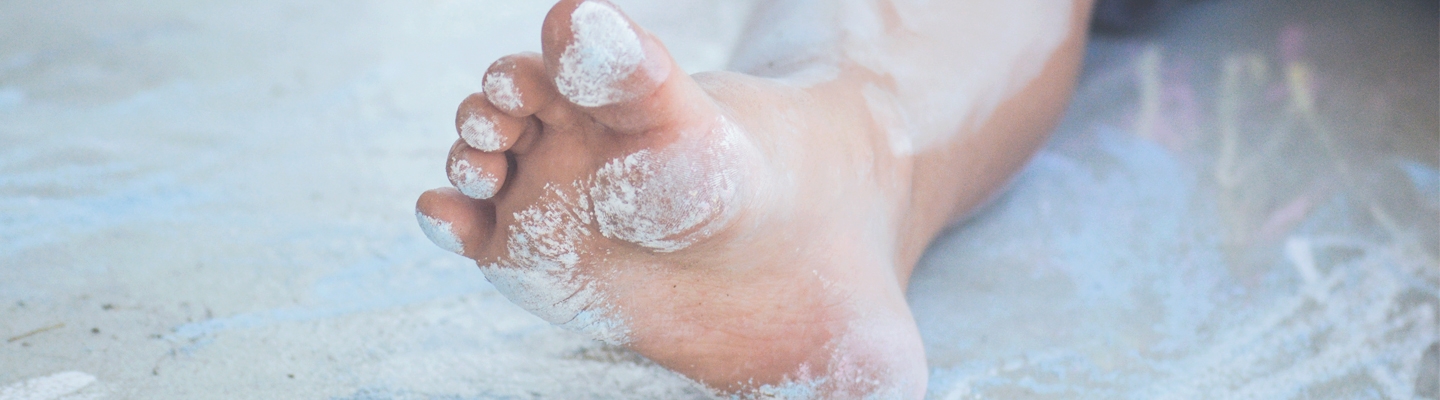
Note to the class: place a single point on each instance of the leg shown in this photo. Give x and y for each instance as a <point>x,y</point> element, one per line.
<point>967,86</point>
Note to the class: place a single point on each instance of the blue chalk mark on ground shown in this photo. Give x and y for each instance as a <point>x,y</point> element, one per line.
<point>376,283</point>
<point>1426,180</point>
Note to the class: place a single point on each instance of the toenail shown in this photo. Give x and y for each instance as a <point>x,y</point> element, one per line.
<point>500,89</point>
<point>479,132</point>
<point>605,52</point>
<point>440,232</point>
<point>472,181</point>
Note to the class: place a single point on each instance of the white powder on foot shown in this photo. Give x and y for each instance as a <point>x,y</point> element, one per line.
<point>864,363</point>
<point>658,200</point>
<point>479,132</point>
<point>665,200</point>
<point>604,52</point>
<point>543,271</point>
<point>440,232</point>
<point>472,181</point>
<point>500,89</point>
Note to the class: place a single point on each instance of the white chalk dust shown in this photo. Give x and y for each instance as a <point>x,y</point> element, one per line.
<point>605,51</point>
<point>501,91</point>
<point>53,387</point>
<point>480,133</point>
<point>440,232</point>
<point>473,181</point>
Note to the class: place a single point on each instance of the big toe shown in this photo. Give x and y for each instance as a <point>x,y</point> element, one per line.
<point>615,70</point>
<point>598,56</point>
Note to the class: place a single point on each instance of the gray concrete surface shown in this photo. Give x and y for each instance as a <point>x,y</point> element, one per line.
<point>212,200</point>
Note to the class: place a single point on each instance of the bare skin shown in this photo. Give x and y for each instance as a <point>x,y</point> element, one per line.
<point>754,234</point>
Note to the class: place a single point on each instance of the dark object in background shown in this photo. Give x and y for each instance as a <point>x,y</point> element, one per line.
<point>1135,16</point>
<point>1131,16</point>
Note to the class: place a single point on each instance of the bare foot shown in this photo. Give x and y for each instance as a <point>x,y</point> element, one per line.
<point>751,234</point>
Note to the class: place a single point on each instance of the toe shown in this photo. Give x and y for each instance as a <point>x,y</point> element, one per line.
<point>475,173</point>
<point>616,71</point>
<point>516,84</point>
<point>485,127</point>
<point>596,55</point>
<point>454,222</point>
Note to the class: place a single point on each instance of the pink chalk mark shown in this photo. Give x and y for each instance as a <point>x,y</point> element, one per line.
<point>1287,217</point>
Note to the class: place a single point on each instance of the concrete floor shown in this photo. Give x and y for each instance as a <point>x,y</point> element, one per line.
<point>215,201</point>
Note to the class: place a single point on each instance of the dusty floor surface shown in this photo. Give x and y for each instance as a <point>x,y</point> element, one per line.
<point>215,201</point>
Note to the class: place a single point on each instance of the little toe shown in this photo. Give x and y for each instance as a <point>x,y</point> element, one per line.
<point>516,84</point>
<point>475,173</point>
<point>455,222</point>
<point>485,127</point>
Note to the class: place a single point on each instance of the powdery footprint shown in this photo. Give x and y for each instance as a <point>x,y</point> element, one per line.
<point>602,189</point>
